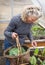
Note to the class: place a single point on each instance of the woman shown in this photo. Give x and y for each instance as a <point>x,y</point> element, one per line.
<point>20,25</point>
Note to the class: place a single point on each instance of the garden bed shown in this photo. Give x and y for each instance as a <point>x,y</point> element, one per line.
<point>37,56</point>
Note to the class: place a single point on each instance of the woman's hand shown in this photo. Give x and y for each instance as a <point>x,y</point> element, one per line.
<point>14,35</point>
<point>34,43</point>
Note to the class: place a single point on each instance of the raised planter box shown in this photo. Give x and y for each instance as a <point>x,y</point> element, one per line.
<point>40,42</point>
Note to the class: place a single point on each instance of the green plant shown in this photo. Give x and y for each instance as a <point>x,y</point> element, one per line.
<point>43,63</point>
<point>37,30</point>
<point>36,61</point>
<point>43,53</point>
<point>36,51</point>
<point>14,51</point>
<point>33,60</point>
<point>39,61</point>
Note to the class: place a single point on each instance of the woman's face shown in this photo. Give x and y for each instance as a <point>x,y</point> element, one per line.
<point>32,15</point>
<point>31,19</point>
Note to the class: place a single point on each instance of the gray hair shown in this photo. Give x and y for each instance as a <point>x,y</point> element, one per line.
<point>31,11</point>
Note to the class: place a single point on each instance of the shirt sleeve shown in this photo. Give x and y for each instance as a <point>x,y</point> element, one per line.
<point>10,28</point>
<point>30,36</point>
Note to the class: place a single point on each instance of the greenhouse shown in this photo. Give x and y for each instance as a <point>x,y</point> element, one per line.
<point>33,48</point>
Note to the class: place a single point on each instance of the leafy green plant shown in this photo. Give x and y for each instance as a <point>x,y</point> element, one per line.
<point>37,30</point>
<point>36,51</point>
<point>37,58</point>
<point>36,61</point>
<point>14,51</point>
<point>40,52</point>
<point>33,60</point>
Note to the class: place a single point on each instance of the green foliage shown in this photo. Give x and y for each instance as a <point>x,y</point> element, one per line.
<point>38,30</point>
<point>36,58</point>
<point>33,60</point>
<point>39,52</point>
<point>39,61</point>
<point>36,61</point>
<point>43,53</point>
<point>43,63</point>
<point>14,51</point>
<point>36,51</point>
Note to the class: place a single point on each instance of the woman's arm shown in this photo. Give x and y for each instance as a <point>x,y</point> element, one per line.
<point>10,28</point>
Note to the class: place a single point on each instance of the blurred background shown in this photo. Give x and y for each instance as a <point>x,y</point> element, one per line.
<point>9,8</point>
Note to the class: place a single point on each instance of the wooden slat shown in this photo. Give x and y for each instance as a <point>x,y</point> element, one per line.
<point>38,44</point>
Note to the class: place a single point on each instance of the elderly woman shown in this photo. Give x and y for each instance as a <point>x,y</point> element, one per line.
<point>21,25</point>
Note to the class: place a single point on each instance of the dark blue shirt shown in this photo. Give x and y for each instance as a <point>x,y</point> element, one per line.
<point>21,28</point>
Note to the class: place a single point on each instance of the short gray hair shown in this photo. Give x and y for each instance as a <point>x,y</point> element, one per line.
<point>31,10</point>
